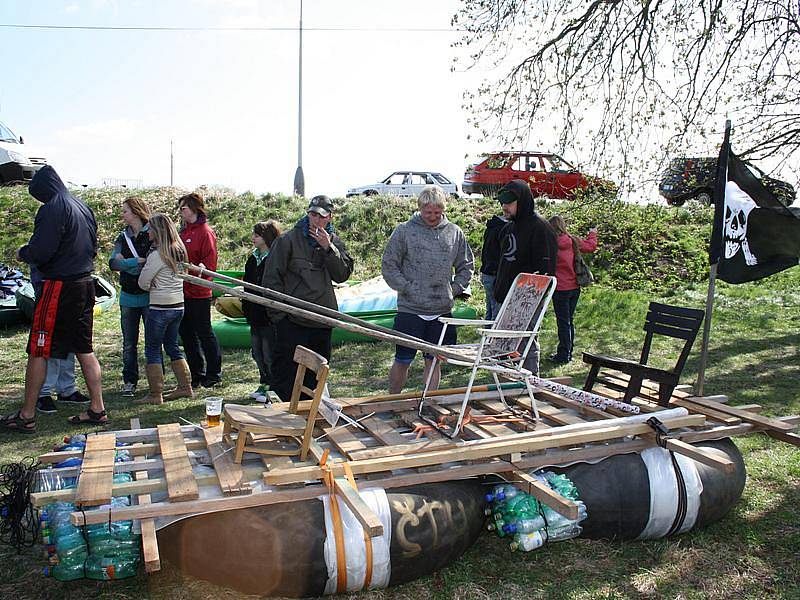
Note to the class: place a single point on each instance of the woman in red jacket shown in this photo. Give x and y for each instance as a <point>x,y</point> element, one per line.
<point>565,298</point>
<point>199,341</point>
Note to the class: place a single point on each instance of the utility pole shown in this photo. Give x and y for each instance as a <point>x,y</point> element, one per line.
<point>171,166</point>
<point>299,179</point>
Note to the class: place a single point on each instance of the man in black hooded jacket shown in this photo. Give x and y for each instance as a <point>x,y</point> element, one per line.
<point>528,244</point>
<point>63,248</point>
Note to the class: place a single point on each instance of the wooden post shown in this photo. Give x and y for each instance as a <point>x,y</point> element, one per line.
<point>701,371</point>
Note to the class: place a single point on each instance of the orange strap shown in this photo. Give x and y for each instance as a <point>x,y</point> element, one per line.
<point>367,540</point>
<point>338,529</point>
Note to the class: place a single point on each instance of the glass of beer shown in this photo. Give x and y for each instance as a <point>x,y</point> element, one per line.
<point>213,411</point>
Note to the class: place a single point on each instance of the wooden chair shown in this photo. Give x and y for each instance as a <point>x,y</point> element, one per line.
<point>505,345</point>
<point>267,428</point>
<point>664,320</point>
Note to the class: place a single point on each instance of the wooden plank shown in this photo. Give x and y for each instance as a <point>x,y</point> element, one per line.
<point>545,494</point>
<point>481,449</point>
<point>368,519</point>
<point>383,431</point>
<point>712,414</point>
<point>152,560</point>
<point>556,415</point>
<point>97,471</point>
<point>701,455</point>
<point>343,440</point>
<point>230,474</point>
<point>151,449</point>
<point>789,438</point>
<point>766,422</point>
<point>181,484</point>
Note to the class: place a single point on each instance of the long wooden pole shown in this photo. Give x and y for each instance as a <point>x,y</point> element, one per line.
<point>701,371</point>
<point>362,327</point>
<point>292,301</point>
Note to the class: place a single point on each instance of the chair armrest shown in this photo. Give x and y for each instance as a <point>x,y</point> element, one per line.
<point>457,321</point>
<point>504,333</point>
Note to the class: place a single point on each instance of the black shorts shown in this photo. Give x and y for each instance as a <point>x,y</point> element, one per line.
<point>63,319</point>
<point>430,331</point>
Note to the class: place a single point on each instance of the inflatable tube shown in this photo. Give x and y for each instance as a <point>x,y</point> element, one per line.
<point>638,496</point>
<point>280,549</point>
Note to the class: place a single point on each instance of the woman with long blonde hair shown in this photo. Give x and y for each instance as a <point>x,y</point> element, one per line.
<point>128,257</point>
<point>159,276</point>
<point>565,298</point>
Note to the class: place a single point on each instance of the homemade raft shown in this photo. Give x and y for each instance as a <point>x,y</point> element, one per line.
<point>394,498</point>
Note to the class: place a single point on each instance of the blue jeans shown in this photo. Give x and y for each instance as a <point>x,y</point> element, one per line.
<point>60,376</point>
<point>161,329</point>
<point>564,304</point>
<point>262,341</point>
<point>129,317</point>
<point>492,306</point>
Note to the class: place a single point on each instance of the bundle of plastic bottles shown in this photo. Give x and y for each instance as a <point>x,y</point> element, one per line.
<point>527,521</point>
<point>103,551</point>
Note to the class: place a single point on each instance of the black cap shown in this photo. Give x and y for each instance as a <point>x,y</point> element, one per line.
<point>321,205</point>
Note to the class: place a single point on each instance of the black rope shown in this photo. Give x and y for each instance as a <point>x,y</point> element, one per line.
<point>680,513</point>
<point>19,520</point>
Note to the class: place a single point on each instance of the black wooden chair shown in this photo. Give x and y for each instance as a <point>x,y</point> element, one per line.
<point>662,319</point>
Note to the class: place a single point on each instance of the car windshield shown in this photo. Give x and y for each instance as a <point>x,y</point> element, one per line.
<point>6,135</point>
<point>559,164</point>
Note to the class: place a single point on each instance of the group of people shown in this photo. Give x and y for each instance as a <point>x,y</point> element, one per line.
<point>427,260</point>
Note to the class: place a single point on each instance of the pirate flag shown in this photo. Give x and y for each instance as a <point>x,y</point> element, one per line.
<point>755,235</point>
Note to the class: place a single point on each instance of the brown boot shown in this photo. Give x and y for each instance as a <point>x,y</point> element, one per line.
<point>184,376</point>
<point>155,379</point>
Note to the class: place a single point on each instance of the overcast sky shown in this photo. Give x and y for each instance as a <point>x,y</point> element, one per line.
<point>106,103</point>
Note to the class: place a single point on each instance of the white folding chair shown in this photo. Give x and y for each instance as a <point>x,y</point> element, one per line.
<point>504,345</point>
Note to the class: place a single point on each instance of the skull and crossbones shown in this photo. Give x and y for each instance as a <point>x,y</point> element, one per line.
<point>737,208</point>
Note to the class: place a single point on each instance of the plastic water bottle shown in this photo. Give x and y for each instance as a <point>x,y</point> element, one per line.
<point>563,533</point>
<point>502,492</point>
<point>64,572</point>
<point>104,568</point>
<point>524,525</point>
<point>527,542</point>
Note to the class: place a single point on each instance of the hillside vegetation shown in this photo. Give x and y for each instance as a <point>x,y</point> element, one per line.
<point>641,247</point>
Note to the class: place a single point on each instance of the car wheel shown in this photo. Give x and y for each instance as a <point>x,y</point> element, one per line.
<point>704,198</point>
<point>371,193</point>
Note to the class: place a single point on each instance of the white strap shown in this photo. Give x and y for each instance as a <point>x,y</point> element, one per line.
<point>130,244</point>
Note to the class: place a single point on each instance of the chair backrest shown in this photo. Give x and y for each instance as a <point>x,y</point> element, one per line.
<point>308,360</point>
<point>522,310</point>
<point>675,322</point>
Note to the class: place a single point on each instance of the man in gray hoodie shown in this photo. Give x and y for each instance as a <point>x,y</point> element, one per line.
<point>430,264</point>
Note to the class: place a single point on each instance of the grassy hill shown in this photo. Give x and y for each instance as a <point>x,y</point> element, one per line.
<point>646,253</point>
<point>641,247</point>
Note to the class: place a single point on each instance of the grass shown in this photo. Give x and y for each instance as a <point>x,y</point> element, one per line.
<point>754,358</point>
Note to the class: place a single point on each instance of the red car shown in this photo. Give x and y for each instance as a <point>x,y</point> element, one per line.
<point>548,174</point>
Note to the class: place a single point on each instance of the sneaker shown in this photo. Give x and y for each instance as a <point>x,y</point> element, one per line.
<point>272,397</point>
<point>559,360</point>
<point>128,390</point>
<point>259,393</point>
<point>45,404</point>
<point>75,398</point>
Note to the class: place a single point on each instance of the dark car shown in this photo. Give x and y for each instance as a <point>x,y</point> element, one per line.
<point>548,174</point>
<point>693,178</point>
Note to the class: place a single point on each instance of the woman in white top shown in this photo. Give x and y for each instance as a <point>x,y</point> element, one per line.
<point>159,277</point>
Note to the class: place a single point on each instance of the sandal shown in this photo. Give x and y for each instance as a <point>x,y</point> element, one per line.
<point>16,422</point>
<point>93,418</point>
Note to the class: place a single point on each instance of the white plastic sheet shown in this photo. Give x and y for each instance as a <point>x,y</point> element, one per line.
<point>354,546</point>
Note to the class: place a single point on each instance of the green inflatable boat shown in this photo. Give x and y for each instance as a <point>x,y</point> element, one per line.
<point>372,300</point>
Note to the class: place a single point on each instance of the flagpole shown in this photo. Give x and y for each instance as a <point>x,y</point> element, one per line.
<point>714,253</point>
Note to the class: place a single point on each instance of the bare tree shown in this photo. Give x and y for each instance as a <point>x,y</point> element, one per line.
<point>630,82</point>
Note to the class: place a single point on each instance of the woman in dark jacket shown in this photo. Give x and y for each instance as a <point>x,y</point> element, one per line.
<point>128,257</point>
<point>199,342</point>
<point>262,333</point>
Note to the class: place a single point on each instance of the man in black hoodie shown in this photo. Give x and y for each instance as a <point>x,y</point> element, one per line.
<point>63,247</point>
<point>528,244</point>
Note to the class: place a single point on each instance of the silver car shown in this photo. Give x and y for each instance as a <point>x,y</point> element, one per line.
<point>405,183</point>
